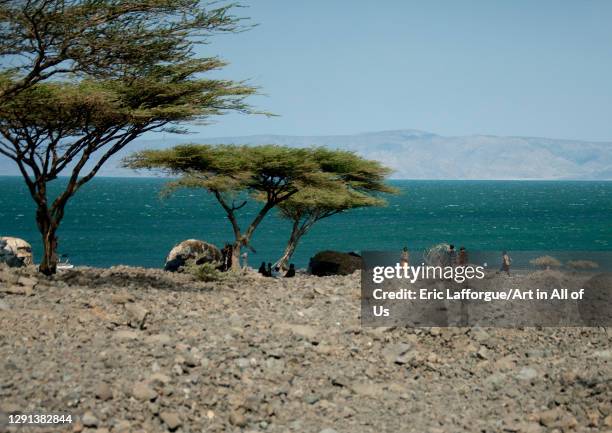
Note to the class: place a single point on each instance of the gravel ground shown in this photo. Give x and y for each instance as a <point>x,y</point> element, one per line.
<point>135,350</point>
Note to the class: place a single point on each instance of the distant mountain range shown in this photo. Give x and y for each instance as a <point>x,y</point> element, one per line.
<point>414,154</point>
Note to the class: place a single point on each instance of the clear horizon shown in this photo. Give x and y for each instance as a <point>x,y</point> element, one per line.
<point>506,69</point>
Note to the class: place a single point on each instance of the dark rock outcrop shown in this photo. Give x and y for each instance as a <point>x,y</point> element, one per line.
<point>202,251</point>
<point>334,263</point>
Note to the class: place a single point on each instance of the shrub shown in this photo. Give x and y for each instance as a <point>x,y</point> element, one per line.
<point>582,265</point>
<point>546,262</point>
<point>206,272</point>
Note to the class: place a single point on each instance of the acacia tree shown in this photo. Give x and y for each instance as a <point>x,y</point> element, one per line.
<point>75,126</point>
<point>41,39</point>
<point>268,174</point>
<point>357,183</point>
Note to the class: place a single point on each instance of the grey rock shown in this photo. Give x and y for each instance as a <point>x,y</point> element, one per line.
<point>126,335</point>
<point>172,420</point>
<point>527,373</point>
<point>394,353</point>
<point>161,339</point>
<point>137,315</point>
<point>237,418</point>
<point>103,391</point>
<point>142,391</point>
<point>17,290</point>
<point>89,419</point>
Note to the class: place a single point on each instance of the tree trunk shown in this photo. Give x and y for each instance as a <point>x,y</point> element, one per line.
<point>236,256</point>
<point>296,234</point>
<point>47,227</point>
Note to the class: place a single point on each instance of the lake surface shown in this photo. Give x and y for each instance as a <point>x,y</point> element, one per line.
<point>123,221</point>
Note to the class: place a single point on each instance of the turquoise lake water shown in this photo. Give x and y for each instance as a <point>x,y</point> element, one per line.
<point>123,221</point>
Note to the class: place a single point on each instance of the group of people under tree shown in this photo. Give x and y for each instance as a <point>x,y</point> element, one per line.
<point>269,271</point>
<point>227,253</point>
<point>452,258</point>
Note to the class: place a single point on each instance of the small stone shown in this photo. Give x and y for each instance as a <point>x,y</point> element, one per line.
<point>27,282</point>
<point>527,373</point>
<point>305,331</point>
<point>480,335</point>
<point>103,391</point>
<point>606,355</point>
<point>548,417</point>
<point>210,414</point>
<point>367,389</point>
<point>10,408</point>
<point>142,391</point>
<point>137,314</point>
<point>243,363</point>
<point>593,417</point>
<point>312,398</point>
<point>122,426</point>
<point>161,339</point>
<point>89,419</point>
<point>189,360</point>
<point>121,298</point>
<point>394,352</point>
<point>328,430</point>
<point>496,381</point>
<point>434,331</point>
<point>238,419</point>
<point>172,420</point>
<point>567,422</point>
<point>532,427</point>
<point>126,335</point>
<point>4,306</point>
<point>483,353</point>
<point>17,290</point>
<point>160,378</point>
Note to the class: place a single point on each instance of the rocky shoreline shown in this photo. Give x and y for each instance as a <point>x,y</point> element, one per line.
<point>142,350</point>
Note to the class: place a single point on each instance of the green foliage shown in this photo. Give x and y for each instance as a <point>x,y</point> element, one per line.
<point>106,38</point>
<point>273,170</point>
<point>356,172</point>
<point>355,182</point>
<point>206,272</point>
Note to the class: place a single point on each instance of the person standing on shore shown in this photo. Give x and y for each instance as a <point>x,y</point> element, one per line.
<point>262,269</point>
<point>463,256</point>
<point>506,261</point>
<point>245,261</point>
<point>405,258</point>
<point>226,254</point>
<point>452,256</point>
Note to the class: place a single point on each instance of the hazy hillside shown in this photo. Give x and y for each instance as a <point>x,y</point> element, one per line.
<point>421,155</point>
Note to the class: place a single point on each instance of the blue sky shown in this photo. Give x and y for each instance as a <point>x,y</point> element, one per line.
<point>529,68</point>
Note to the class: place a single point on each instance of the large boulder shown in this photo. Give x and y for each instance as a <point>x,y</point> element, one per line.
<point>191,249</point>
<point>334,263</point>
<point>15,252</point>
